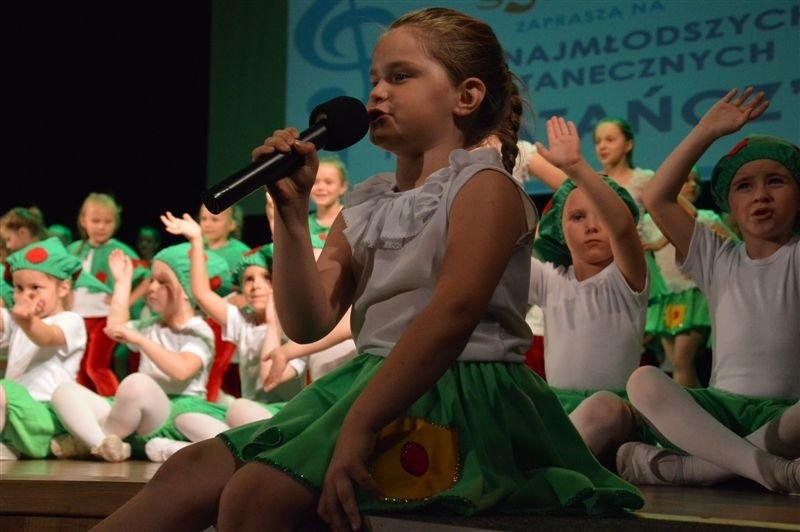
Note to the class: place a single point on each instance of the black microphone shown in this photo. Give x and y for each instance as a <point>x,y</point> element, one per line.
<point>335,125</point>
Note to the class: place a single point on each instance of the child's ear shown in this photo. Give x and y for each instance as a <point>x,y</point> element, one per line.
<point>63,289</point>
<point>472,91</point>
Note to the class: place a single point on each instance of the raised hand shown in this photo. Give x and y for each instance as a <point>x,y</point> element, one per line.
<point>564,141</point>
<point>186,226</point>
<point>733,111</point>
<point>120,265</point>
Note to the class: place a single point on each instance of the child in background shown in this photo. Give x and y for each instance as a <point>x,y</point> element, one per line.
<point>601,295</point>
<point>221,233</point>
<point>176,348</point>
<point>63,233</point>
<point>747,423</point>
<point>679,317</point>
<point>98,220</point>
<point>438,410</point>
<point>148,242</point>
<point>255,332</point>
<point>21,227</point>
<point>329,187</point>
<point>44,341</point>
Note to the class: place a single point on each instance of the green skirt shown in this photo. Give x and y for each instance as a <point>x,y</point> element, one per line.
<point>30,424</point>
<point>488,435</point>
<point>676,313</point>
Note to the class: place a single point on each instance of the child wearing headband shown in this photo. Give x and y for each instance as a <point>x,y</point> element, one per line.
<point>747,422</point>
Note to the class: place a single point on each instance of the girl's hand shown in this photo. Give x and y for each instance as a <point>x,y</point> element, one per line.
<point>564,141</point>
<point>299,186</point>
<point>26,308</point>
<point>730,113</point>
<point>275,369</point>
<point>348,468</point>
<point>122,334</point>
<point>120,265</point>
<point>185,226</point>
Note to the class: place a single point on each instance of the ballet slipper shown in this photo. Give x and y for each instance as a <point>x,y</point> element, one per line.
<point>638,464</point>
<point>112,449</point>
<point>68,446</point>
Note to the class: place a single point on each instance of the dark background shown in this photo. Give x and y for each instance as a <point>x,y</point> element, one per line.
<point>106,97</point>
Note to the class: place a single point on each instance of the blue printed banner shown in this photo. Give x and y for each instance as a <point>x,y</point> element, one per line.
<point>658,64</point>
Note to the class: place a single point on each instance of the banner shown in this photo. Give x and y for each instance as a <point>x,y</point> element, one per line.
<point>657,64</point>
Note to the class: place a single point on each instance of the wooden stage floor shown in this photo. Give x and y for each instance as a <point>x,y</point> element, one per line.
<point>66,495</point>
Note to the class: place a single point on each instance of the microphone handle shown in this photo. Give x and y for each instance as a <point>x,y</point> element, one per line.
<point>267,169</point>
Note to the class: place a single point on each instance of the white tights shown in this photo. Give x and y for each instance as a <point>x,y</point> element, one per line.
<point>140,406</point>
<point>716,453</point>
<point>198,427</point>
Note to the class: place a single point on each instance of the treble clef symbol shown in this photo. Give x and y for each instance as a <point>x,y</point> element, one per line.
<point>323,48</point>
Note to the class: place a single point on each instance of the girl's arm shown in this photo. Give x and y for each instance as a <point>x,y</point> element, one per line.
<point>564,152</point>
<point>486,220</point>
<point>660,196</point>
<point>311,295</point>
<point>179,366</point>
<point>122,269</point>
<point>26,315</point>
<point>215,306</point>
<point>282,354</point>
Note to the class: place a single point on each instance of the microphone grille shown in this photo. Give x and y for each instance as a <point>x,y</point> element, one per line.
<point>346,121</point>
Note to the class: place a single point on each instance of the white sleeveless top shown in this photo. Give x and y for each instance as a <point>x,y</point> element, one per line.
<point>398,243</point>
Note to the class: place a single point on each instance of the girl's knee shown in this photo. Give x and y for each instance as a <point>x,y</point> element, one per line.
<point>643,384</point>
<point>135,385</point>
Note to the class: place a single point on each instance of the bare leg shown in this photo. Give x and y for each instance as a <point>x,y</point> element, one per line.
<point>604,422</point>
<point>256,487</point>
<point>685,348</point>
<point>716,451</point>
<point>182,495</point>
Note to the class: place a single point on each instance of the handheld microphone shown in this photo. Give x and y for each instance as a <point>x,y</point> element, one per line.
<point>335,125</point>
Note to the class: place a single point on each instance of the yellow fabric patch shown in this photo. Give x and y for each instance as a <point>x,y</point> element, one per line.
<point>414,459</point>
<point>674,315</point>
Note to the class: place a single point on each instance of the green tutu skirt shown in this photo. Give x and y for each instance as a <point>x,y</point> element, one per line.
<point>676,313</point>
<point>488,435</point>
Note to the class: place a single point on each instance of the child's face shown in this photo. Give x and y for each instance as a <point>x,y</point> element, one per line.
<point>99,223</point>
<point>689,189</point>
<point>413,100</point>
<point>610,144</point>
<point>764,200</point>
<point>165,291</point>
<point>147,244</point>
<point>216,227</point>
<point>328,186</point>
<point>256,287</point>
<point>586,236</point>
<point>16,238</point>
<point>40,291</point>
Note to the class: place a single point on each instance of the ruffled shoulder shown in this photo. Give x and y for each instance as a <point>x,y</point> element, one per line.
<point>378,216</point>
